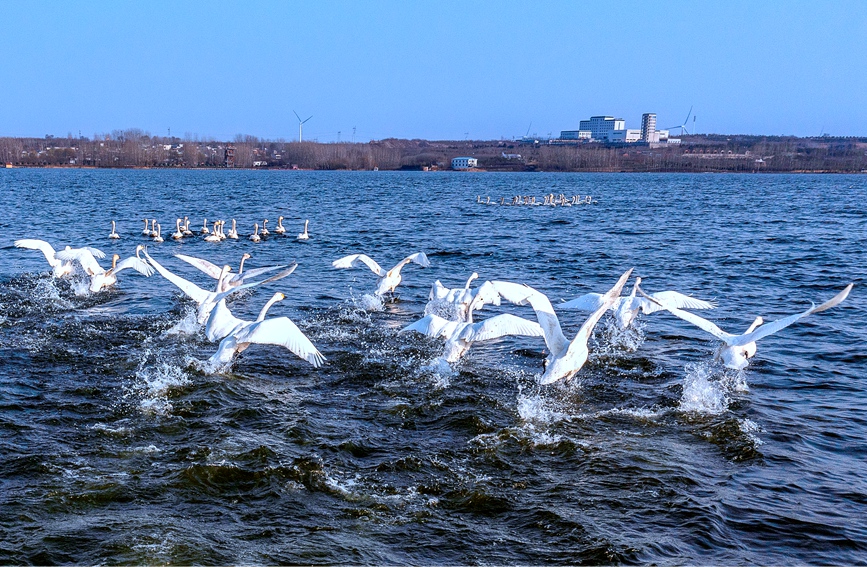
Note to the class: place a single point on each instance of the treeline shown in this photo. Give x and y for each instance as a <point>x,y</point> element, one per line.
<point>136,148</point>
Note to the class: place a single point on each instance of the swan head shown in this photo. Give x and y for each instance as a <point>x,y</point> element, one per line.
<point>138,249</point>
<point>114,259</point>
<point>246,256</point>
<point>280,218</point>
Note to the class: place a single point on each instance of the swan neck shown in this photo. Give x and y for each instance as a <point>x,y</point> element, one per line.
<point>267,306</point>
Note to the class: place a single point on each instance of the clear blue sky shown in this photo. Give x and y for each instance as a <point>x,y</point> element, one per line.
<point>434,70</point>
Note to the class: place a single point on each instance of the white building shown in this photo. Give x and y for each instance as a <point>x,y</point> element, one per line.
<point>602,128</point>
<point>648,128</point>
<point>574,134</point>
<point>464,163</point>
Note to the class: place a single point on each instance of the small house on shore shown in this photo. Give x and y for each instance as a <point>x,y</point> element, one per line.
<point>464,163</point>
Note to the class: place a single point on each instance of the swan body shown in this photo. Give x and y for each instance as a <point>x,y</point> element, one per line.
<point>59,267</point>
<point>388,280</point>
<point>280,331</point>
<point>99,277</point>
<point>204,229</point>
<point>158,236</point>
<point>280,229</point>
<point>214,236</point>
<point>265,231</point>
<point>233,232</point>
<point>153,231</point>
<point>255,236</point>
<point>626,308</point>
<point>304,235</point>
<point>565,358</point>
<point>227,281</point>
<point>460,335</point>
<point>178,234</point>
<point>146,231</point>
<point>113,234</point>
<point>186,230</point>
<point>736,350</point>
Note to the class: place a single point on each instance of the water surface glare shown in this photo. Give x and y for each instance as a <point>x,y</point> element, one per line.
<point>116,448</point>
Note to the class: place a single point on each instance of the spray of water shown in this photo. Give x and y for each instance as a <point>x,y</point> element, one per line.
<point>701,393</point>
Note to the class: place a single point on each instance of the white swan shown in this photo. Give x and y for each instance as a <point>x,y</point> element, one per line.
<point>214,236</point>
<point>279,331</point>
<point>206,300</point>
<point>113,234</point>
<point>626,308</point>
<point>233,232</point>
<point>187,231</point>
<point>227,281</point>
<point>158,236</point>
<point>460,299</point>
<point>304,235</point>
<point>153,231</point>
<point>280,229</point>
<point>146,231</point>
<point>565,358</point>
<point>178,234</point>
<point>255,236</point>
<point>736,350</point>
<point>59,267</point>
<point>460,335</point>
<point>99,277</point>
<point>265,231</point>
<point>204,229</point>
<point>388,280</point>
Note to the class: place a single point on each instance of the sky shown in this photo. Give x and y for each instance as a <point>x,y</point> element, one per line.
<point>436,70</point>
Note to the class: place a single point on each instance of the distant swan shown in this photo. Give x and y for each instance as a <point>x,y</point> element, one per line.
<point>158,236</point>
<point>233,232</point>
<point>204,229</point>
<point>99,277</point>
<point>280,229</point>
<point>304,235</point>
<point>215,236</point>
<point>736,350</point>
<point>565,357</point>
<point>255,236</point>
<point>388,280</point>
<point>113,234</point>
<point>59,267</point>
<point>146,231</point>
<point>265,231</point>
<point>178,234</point>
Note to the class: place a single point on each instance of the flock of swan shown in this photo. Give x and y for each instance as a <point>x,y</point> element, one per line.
<point>449,313</point>
<point>153,230</point>
<point>548,200</point>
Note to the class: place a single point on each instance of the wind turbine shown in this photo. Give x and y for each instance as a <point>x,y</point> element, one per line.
<point>685,122</point>
<point>301,124</point>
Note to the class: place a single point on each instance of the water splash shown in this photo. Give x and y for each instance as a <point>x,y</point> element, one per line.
<point>368,302</point>
<point>702,394</point>
<point>442,308</point>
<point>188,324</point>
<point>153,383</point>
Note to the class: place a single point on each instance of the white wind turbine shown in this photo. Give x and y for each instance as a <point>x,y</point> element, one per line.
<point>682,127</point>
<point>301,124</point>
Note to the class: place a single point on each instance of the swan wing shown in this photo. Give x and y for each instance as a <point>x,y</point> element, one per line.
<point>355,260</point>
<point>221,323</point>
<point>521,294</point>
<point>608,301</point>
<point>586,302</point>
<point>84,257</point>
<point>196,293</point>
<point>211,269</point>
<point>36,244</point>
<point>701,323</point>
<point>97,253</point>
<point>281,331</point>
<point>501,326</point>
<point>228,292</point>
<point>238,279</point>
<point>419,258</point>
<point>432,326</point>
<point>136,264</point>
<point>779,324</point>
<point>673,298</point>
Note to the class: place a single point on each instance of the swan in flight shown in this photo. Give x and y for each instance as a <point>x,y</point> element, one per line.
<point>279,331</point>
<point>388,280</point>
<point>460,335</point>
<point>565,358</point>
<point>304,235</point>
<point>461,298</point>
<point>99,277</point>
<point>626,308</point>
<point>736,350</point>
<point>59,267</point>
<point>280,229</point>
<point>113,234</point>
<point>227,281</point>
<point>206,300</point>
<point>255,236</point>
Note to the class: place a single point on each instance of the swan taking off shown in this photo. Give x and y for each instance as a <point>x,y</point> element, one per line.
<point>460,335</point>
<point>458,300</point>
<point>99,277</point>
<point>388,280</point>
<point>565,358</point>
<point>626,308</point>
<point>304,235</point>
<point>280,331</point>
<point>736,350</point>
<point>59,267</point>
<point>230,280</point>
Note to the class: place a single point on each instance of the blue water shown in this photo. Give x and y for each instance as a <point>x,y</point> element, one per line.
<point>116,448</point>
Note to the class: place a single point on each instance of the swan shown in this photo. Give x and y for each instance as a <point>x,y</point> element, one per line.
<point>461,298</point>
<point>304,235</point>
<point>280,331</point>
<point>187,231</point>
<point>230,280</point>
<point>255,236</point>
<point>280,229</point>
<point>113,234</point>
<point>206,300</point>
<point>153,231</point>
<point>626,308</point>
<point>146,231</point>
<point>99,277</point>
<point>736,350</point>
<point>59,267</point>
<point>388,280</point>
<point>460,335</point>
<point>158,236</point>
<point>204,229</point>
<point>215,236</point>
<point>565,358</point>
<point>265,231</point>
<point>178,234</point>
<point>233,232</point>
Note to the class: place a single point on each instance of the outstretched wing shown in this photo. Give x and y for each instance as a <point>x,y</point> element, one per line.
<point>211,269</point>
<point>702,324</point>
<point>35,244</point>
<point>433,326</point>
<point>521,294</point>
<point>673,298</point>
<point>283,332</point>
<point>586,302</point>
<point>355,260</point>
<point>136,264</point>
<point>501,326</point>
<point>196,293</point>
<point>608,300</point>
<point>239,279</point>
<point>419,258</point>
<point>84,257</point>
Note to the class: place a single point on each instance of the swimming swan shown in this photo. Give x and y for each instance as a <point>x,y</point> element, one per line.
<point>280,331</point>
<point>280,229</point>
<point>736,350</point>
<point>113,234</point>
<point>304,235</point>
<point>255,236</point>
<point>626,308</point>
<point>178,234</point>
<point>99,277</point>
<point>59,267</point>
<point>460,335</point>
<point>565,358</point>
<point>227,281</point>
<point>388,280</point>
<point>233,232</point>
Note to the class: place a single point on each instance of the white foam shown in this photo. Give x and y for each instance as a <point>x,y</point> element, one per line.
<point>701,394</point>
<point>188,325</point>
<point>153,383</point>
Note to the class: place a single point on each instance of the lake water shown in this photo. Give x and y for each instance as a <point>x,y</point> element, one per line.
<point>115,448</point>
